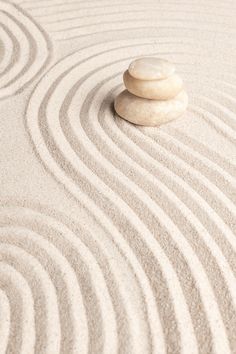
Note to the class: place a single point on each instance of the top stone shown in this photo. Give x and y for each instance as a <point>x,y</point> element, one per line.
<point>148,68</point>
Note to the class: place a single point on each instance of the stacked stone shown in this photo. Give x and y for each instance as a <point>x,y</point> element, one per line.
<point>154,93</point>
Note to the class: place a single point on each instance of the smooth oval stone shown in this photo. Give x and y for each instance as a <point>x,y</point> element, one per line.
<point>149,112</point>
<point>148,68</point>
<point>154,89</point>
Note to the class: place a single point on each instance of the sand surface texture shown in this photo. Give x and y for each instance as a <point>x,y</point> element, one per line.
<point>116,238</point>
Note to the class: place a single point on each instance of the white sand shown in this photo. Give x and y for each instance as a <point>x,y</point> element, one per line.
<point>116,238</point>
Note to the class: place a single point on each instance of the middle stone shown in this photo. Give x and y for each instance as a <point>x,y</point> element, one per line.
<point>153,89</point>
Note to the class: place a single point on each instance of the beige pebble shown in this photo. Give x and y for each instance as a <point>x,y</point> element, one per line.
<point>154,89</point>
<point>149,112</point>
<point>148,68</point>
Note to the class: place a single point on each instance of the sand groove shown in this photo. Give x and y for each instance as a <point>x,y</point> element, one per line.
<point>80,152</point>
<point>24,47</point>
<point>161,276</point>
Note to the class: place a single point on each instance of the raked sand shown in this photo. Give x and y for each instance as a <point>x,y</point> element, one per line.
<point>116,238</point>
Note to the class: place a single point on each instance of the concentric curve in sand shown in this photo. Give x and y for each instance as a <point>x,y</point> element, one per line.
<point>24,49</point>
<point>71,294</point>
<point>74,20</point>
<point>61,118</point>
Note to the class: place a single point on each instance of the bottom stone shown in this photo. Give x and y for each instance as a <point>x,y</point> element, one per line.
<point>142,111</point>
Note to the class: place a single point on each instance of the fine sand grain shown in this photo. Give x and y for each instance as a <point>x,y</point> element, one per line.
<point>116,238</point>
